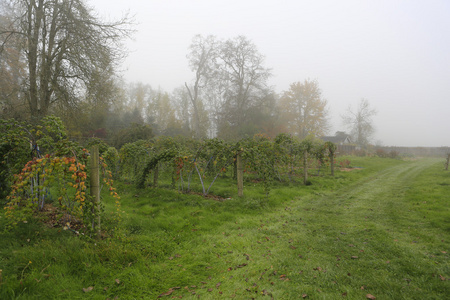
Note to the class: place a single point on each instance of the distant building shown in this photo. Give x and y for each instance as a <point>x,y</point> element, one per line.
<point>343,142</point>
<point>340,138</point>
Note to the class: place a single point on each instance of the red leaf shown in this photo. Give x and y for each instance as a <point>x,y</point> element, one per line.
<point>442,278</point>
<point>304,295</point>
<point>217,285</point>
<point>369,296</point>
<point>170,291</point>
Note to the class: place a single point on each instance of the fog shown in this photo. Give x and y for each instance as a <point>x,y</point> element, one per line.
<point>396,54</point>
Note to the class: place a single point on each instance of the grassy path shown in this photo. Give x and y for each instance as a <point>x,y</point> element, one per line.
<point>378,241</point>
<point>363,239</point>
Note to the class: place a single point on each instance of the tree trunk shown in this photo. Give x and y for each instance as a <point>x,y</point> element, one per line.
<point>95,190</point>
<point>305,167</point>
<point>194,100</point>
<point>33,30</point>
<point>155,176</point>
<point>332,162</point>
<point>240,175</point>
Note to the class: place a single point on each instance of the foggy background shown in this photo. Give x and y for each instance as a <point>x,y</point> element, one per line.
<point>396,54</point>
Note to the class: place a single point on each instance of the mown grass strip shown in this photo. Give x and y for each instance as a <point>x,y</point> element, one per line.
<point>363,232</point>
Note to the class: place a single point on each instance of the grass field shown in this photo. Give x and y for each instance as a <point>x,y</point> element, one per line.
<point>382,230</point>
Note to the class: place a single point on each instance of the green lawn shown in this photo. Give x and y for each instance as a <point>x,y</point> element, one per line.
<point>382,230</point>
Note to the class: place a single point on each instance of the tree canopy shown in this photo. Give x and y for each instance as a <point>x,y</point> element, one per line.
<point>304,110</point>
<point>64,48</point>
<point>360,122</point>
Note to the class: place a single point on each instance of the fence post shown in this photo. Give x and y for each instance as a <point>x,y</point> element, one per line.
<point>447,162</point>
<point>332,162</point>
<point>305,167</point>
<point>95,189</point>
<point>155,175</point>
<point>240,175</point>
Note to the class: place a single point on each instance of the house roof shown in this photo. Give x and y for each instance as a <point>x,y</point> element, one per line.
<point>337,139</point>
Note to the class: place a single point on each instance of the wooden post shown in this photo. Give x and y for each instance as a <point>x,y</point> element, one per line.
<point>447,162</point>
<point>95,189</point>
<point>332,162</point>
<point>155,175</point>
<point>240,175</point>
<point>305,167</point>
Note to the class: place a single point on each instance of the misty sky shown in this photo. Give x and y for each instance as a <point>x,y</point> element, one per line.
<point>394,53</point>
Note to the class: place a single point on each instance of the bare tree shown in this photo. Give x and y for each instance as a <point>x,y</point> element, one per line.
<point>360,122</point>
<point>230,83</point>
<point>245,82</point>
<point>201,61</point>
<point>12,68</point>
<point>65,46</point>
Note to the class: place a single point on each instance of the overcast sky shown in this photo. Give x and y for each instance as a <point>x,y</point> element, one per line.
<point>394,53</point>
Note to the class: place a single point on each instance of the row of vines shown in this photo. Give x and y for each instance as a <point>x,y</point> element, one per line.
<point>184,161</point>
<point>40,165</point>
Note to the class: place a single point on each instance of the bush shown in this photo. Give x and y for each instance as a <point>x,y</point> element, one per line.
<point>381,153</point>
<point>360,153</point>
<point>393,154</point>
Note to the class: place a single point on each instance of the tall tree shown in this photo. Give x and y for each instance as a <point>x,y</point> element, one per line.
<point>202,53</point>
<point>230,82</point>
<point>182,105</point>
<point>304,110</point>
<point>65,45</point>
<point>360,122</point>
<point>161,112</point>
<point>244,80</point>
<point>12,68</point>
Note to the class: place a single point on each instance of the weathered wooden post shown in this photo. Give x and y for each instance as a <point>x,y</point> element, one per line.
<point>95,190</point>
<point>240,175</point>
<point>305,167</point>
<point>155,175</point>
<point>331,152</point>
<point>447,162</point>
<point>332,163</point>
